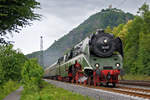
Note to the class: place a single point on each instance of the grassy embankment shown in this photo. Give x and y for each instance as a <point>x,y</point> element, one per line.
<point>136,77</point>
<point>7,88</point>
<point>51,92</point>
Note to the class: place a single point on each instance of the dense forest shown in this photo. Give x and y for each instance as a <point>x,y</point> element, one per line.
<point>136,38</point>
<point>107,17</point>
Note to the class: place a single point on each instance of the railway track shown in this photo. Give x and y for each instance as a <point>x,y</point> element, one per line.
<point>139,93</point>
<point>136,92</point>
<point>132,92</point>
<point>137,83</point>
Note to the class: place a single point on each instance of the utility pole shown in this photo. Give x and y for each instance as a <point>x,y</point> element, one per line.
<point>41,52</point>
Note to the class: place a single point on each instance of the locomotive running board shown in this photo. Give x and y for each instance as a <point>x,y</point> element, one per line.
<point>75,58</point>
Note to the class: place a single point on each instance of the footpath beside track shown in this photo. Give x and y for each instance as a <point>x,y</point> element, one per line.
<point>14,95</point>
<point>105,93</point>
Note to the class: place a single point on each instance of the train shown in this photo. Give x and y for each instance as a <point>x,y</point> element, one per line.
<point>97,60</point>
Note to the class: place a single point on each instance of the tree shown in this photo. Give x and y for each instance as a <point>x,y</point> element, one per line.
<point>108,29</point>
<point>144,40</point>
<point>11,63</point>
<point>116,30</point>
<point>16,14</point>
<point>124,30</point>
<point>132,46</point>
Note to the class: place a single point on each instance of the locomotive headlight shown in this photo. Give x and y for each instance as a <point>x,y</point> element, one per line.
<point>117,64</point>
<point>105,40</point>
<point>97,65</point>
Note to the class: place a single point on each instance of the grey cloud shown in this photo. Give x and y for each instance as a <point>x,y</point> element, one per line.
<point>61,16</point>
<point>67,8</point>
<point>70,9</point>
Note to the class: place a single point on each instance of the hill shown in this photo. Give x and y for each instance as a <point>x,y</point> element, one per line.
<point>107,17</point>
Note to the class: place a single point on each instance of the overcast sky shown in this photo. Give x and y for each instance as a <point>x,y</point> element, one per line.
<point>61,16</point>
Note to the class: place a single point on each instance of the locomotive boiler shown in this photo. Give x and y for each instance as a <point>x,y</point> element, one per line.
<point>96,60</point>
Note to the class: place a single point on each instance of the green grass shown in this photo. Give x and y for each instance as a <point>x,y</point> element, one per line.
<point>51,92</point>
<point>136,77</point>
<point>7,88</point>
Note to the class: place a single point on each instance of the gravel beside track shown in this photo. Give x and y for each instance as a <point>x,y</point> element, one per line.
<point>97,94</point>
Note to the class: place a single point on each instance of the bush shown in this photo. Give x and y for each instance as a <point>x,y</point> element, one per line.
<point>32,74</point>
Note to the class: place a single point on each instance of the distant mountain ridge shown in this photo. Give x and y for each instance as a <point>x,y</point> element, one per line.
<point>107,17</point>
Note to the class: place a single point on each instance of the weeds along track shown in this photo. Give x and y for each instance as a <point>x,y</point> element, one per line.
<point>136,92</point>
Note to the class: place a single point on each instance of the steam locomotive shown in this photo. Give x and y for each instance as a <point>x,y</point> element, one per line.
<point>96,60</point>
